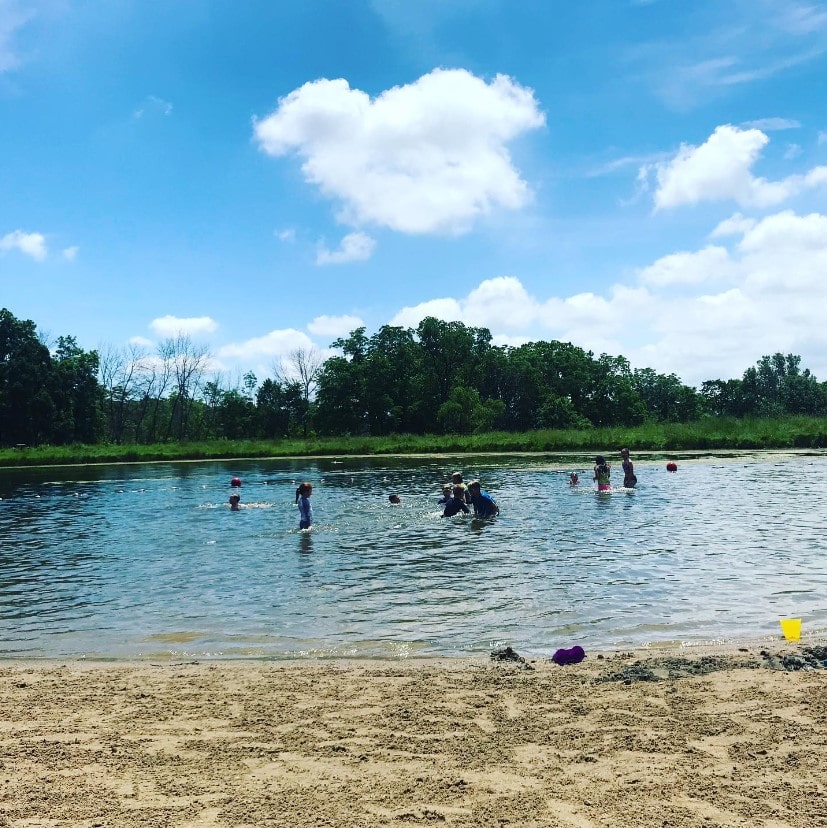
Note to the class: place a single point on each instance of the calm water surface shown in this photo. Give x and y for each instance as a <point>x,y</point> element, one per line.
<point>148,561</point>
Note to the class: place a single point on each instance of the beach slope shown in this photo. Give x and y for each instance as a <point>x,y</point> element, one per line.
<point>623,740</point>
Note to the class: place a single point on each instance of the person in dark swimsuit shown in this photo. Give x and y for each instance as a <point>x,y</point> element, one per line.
<point>457,503</point>
<point>629,477</point>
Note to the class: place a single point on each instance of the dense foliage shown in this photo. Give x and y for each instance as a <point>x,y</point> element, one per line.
<point>440,378</point>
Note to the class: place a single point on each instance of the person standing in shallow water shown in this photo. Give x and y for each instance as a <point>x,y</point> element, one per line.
<point>305,509</point>
<point>629,477</point>
<point>602,474</point>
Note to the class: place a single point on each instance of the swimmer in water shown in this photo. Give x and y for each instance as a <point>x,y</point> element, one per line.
<point>394,499</point>
<point>456,480</point>
<point>235,500</point>
<point>484,505</point>
<point>602,474</point>
<point>574,479</point>
<point>629,477</point>
<point>457,503</point>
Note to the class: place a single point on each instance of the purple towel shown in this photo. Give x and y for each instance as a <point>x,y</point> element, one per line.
<point>574,655</point>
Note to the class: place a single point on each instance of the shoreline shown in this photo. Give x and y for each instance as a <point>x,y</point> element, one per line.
<point>688,455</point>
<point>688,737</point>
<point>723,647</point>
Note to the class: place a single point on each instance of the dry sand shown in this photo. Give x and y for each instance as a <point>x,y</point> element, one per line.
<point>715,741</point>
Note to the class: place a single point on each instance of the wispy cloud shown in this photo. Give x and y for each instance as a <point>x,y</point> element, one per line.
<point>733,44</point>
<point>613,166</point>
<point>70,253</point>
<point>13,16</point>
<point>355,247</point>
<point>772,124</point>
<point>152,104</point>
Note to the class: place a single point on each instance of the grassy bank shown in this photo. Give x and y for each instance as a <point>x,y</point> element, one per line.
<point>721,433</point>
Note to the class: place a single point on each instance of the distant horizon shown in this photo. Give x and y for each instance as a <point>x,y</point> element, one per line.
<point>635,178</point>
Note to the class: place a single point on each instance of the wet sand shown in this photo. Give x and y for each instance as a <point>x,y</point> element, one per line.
<point>648,739</point>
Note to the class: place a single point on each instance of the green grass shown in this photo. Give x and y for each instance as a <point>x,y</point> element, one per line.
<point>710,433</point>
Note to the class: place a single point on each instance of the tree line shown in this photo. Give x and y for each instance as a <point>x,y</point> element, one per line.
<point>441,377</point>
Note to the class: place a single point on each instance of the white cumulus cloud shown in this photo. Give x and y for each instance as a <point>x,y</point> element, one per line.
<point>447,309</point>
<point>720,169</point>
<point>279,343</point>
<point>30,244</point>
<point>427,157</point>
<point>354,247</point>
<point>334,326</point>
<point>186,326</point>
<point>140,342</point>
<point>735,225</point>
<point>687,268</point>
<point>702,314</point>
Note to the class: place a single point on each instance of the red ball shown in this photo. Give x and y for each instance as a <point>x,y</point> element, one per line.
<point>236,481</point>
<point>671,466</point>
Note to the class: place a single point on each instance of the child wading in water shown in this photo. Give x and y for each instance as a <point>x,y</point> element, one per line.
<point>456,504</point>
<point>602,474</point>
<point>305,509</point>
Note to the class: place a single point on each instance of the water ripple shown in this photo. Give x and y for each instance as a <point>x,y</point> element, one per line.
<point>141,560</point>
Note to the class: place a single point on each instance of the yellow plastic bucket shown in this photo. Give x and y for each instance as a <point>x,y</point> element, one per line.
<point>791,627</point>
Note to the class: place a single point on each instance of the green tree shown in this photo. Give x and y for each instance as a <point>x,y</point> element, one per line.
<point>666,398</point>
<point>76,394</point>
<point>724,398</point>
<point>26,406</point>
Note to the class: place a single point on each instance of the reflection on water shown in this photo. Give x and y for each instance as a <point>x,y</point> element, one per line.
<point>148,560</point>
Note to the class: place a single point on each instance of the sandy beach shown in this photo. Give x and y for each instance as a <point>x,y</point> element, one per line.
<point>684,738</point>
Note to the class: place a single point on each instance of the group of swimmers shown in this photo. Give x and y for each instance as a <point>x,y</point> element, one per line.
<point>603,472</point>
<point>457,497</point>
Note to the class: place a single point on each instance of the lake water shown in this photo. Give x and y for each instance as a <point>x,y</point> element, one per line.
<point>147,561</point>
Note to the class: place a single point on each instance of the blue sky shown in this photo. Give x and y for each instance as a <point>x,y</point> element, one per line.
<point>638,177</point>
